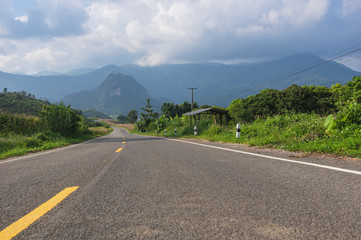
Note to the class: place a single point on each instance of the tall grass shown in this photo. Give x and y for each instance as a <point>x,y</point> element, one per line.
<point>20,134</point>
<point>19,124</point>
<point>294,132</point>
<point>15,144</point>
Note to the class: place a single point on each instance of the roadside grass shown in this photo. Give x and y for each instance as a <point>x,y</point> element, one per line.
<point>15,144</point>
<point>292,132</point>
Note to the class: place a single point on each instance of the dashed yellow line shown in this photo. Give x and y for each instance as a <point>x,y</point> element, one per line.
<point>24,222</point>
<point>120,149</point>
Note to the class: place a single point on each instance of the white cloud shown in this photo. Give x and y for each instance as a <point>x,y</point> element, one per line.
<point>23,19</point>
<point>297,13</point>
<point>64,34</point>
<point>350,7</point>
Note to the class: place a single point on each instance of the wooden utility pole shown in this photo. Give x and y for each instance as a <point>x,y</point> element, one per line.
<point>192,95</point>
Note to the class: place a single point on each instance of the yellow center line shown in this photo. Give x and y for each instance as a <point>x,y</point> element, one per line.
<point>120,149</point>
<point>24,222</point>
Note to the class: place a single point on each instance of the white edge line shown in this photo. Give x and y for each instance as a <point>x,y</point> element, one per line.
<point>45,152</point>
<point>274,158</point>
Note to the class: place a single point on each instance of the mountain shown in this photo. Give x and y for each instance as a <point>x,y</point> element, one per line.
<point>79,71</point>
<point>55,87</point>
<point>47,73</point>
<point>218,84</point>
<point>301,69</point>
<point>118,94</point>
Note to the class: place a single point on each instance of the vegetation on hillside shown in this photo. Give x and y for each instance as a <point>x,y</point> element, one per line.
<point>294,99</point>
<point>131,118</point>
<point>20,102</point>
<point>307,118</point>
<point>53,126</point>
<point>91,112</point>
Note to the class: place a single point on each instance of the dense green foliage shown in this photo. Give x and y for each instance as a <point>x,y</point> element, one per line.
<point>307,118</point>
<point>21,103</point>
<point>90,112</point>
<point>132,116</point>
<point>54,126</point>
<point>148,117</point>
<point>122,118</point>
<point>63,120</point>
<point>172,110</point>
<point>294,99</point>
<point>19,124</point>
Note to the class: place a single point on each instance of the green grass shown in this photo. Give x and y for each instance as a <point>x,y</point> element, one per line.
<point>15,145</point>
<point>293,132</point>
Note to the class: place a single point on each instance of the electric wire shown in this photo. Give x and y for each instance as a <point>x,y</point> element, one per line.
<point>307,68</point>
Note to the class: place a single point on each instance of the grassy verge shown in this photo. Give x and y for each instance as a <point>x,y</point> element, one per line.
<point>15,145</point>
<point>293,132</point>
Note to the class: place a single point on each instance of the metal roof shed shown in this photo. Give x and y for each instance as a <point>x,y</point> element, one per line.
<point>213,111</point>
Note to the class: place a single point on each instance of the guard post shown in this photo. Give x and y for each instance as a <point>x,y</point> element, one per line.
<point>238,132</point>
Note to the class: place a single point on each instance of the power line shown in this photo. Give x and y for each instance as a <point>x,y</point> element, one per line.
<point>304,70</point>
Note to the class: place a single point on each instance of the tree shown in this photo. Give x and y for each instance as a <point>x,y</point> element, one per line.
<point>148,114</point>
<point>5,90</point>
<point>132,116</point>
<point>60,119</point>
<point>187,107</point>
<point>122,118</point>
<point>169,110</point>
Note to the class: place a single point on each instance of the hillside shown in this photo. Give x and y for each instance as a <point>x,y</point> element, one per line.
<point>90,112</point>
<point>217,84</point>
<point>20,103</point>
<point>279,74</point>
<point>118,94</point>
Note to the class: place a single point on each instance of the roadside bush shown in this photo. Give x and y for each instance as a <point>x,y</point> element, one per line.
<point>162,123</point>
<point>349,114</point>
<point>60,119</point>
<point>18,124</point>
<point>33,142</point>
<point>47,136</point>
<point>141,126</point>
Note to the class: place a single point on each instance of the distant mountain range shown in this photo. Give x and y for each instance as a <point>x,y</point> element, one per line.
<point>218,84</point>
<point>118,94</point>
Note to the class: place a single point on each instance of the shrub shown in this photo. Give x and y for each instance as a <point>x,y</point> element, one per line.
<point>349,114</point>
<point>18,124</point>
<point>33,142</point>
<point>60,119</point>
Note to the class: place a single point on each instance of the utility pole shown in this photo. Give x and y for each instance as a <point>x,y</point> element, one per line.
<point>192,95</point>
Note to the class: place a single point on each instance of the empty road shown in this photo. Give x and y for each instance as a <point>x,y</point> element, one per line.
<point>124,186</point>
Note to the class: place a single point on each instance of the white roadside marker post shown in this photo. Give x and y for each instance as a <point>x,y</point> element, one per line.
<point>238,133</point>
<point>175,131</point>
<point>195,130</point>
<point>165,132</point>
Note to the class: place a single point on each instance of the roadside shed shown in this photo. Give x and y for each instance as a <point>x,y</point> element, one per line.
<point>218,113</point>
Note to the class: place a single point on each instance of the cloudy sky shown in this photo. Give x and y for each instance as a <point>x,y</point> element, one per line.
<point>61,35</point>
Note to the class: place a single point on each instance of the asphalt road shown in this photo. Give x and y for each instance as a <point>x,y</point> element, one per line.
<point>156,188</point>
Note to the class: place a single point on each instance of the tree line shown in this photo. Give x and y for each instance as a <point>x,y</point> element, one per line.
<point>337,100</point>
<point>340,101</point>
